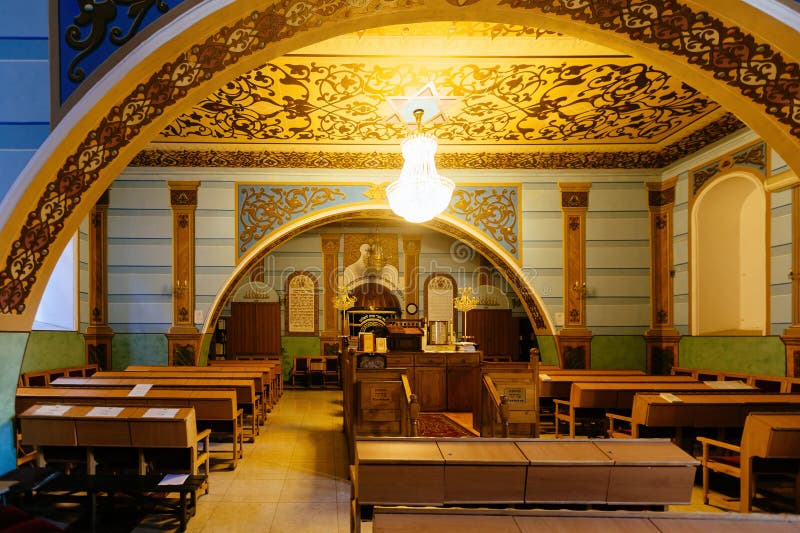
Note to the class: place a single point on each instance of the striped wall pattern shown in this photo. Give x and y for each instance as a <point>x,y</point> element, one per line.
<point>25,103</point>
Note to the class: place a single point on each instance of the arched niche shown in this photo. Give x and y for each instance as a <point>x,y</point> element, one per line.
<point>730,258</point>
<point>192,55</point>
<point>452,227</point>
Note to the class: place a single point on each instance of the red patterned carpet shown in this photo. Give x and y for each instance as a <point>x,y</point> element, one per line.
<point>438,425</point>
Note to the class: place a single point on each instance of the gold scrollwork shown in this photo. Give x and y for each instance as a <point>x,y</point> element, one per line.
<point>264,208</point>
<point>493,211</point>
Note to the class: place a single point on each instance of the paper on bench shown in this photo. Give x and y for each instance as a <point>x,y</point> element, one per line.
<point>722,384</point>
<point>544,377</point>
<point>160,412</point>
<point>174,479</point>
<point>53,410</point>
<point>105,411</point>
<point>671,398</point>
<point>140,390</point>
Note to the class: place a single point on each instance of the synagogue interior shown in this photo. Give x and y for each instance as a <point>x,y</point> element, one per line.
<point>384,266</point>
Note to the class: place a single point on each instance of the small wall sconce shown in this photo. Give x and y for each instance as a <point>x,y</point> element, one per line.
<point>181,286</point>
<point>579,289</point>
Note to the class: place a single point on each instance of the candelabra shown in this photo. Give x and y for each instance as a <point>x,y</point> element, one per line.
<point>465,302</point>
<point>343,301</point>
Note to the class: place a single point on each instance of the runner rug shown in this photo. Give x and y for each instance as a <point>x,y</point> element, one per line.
<point>438,425</point>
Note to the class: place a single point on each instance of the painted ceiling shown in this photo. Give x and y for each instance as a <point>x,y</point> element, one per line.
<point>504,90</point>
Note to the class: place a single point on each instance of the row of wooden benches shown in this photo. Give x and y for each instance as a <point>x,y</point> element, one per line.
<point>220,402</point>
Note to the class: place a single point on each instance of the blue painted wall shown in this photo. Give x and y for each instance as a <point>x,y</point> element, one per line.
<point>25,91</point>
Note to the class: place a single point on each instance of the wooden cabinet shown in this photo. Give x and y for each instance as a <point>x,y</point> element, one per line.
<point>430,385</point>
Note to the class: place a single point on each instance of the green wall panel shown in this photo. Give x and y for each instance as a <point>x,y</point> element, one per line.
<point>138,349</point>
<point>619,352</point>
<point>53,349</point>
<point>205,344</point>
<point>756,355</point>
<point>547,347</point>
<point>293,346</point>
<point>12,350</point>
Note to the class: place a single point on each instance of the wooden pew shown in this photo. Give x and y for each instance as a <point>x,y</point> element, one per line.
<point>42,378</point>
<point>558,386</point>
<point>137,428</point>
<point>215,410</point>
<point>438,472</point>
<point>697,410</point>
<point>610,396</point>
<point>509,404</point>
<point>765,436</point>
<point>164,372</point>
<point>246,396</point>
<point>274,366</point>
<point>460,520</point>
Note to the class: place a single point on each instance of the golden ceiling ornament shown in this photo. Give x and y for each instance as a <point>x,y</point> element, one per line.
<point>377,192</point>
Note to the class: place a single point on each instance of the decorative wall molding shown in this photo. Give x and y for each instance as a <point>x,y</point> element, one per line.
<point>493,209</point>
<point>754,156</point>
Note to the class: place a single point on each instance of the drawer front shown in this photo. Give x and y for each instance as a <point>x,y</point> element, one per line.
<point>429,359</point>
<point>399,361</point>
<point>462,359</point>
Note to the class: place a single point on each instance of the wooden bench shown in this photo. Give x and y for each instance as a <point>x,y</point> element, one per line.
<point>459,520</point>
<point>765,436</point>
<point>92,429</point>
<point>274,366</point>
<point>509,404</point>
<point>215,410</point>
<point>42,378</point>
<point>260,383</point>
<point>558,386</point>
<point>246,396</point>
<point>696,410</point>
<point>595,399</point>
<point>442,472</point>
<point>760,381</point>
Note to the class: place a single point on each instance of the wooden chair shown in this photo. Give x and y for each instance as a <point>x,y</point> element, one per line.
<point>300,369</point>
<point>331,372</point>
<point>316,369</point>
<point>759,440</point>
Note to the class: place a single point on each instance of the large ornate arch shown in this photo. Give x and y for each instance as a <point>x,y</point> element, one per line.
<point>221,38</point>
<point>448,225</point>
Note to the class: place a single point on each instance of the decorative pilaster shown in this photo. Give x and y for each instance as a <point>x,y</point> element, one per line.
<point>791,335</point>
<point>575,340</point>
<point>411,249</point>
<point>183,339</point>
<point>97,337</point>
<point>662,338</point>
<point>329,339</point>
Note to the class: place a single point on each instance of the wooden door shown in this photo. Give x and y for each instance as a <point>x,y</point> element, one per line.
<point>254,328</point>
<point>495,331</point>
<point>430,386</point>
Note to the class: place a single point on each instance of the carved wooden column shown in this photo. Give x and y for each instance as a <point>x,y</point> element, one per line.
<point>330,286</point>
<point>662,338</point>
<point>411,249</point>
<point>575,340</point>
<point>183,339</point>
<point>97,337</point>
<point>791,335</point>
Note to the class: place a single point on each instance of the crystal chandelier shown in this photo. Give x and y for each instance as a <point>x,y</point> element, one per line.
<point>420,193</point>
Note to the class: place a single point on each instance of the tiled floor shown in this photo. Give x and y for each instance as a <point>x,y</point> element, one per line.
<point>293,479</point>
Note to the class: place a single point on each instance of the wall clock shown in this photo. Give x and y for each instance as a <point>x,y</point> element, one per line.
<point>411,309</point>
